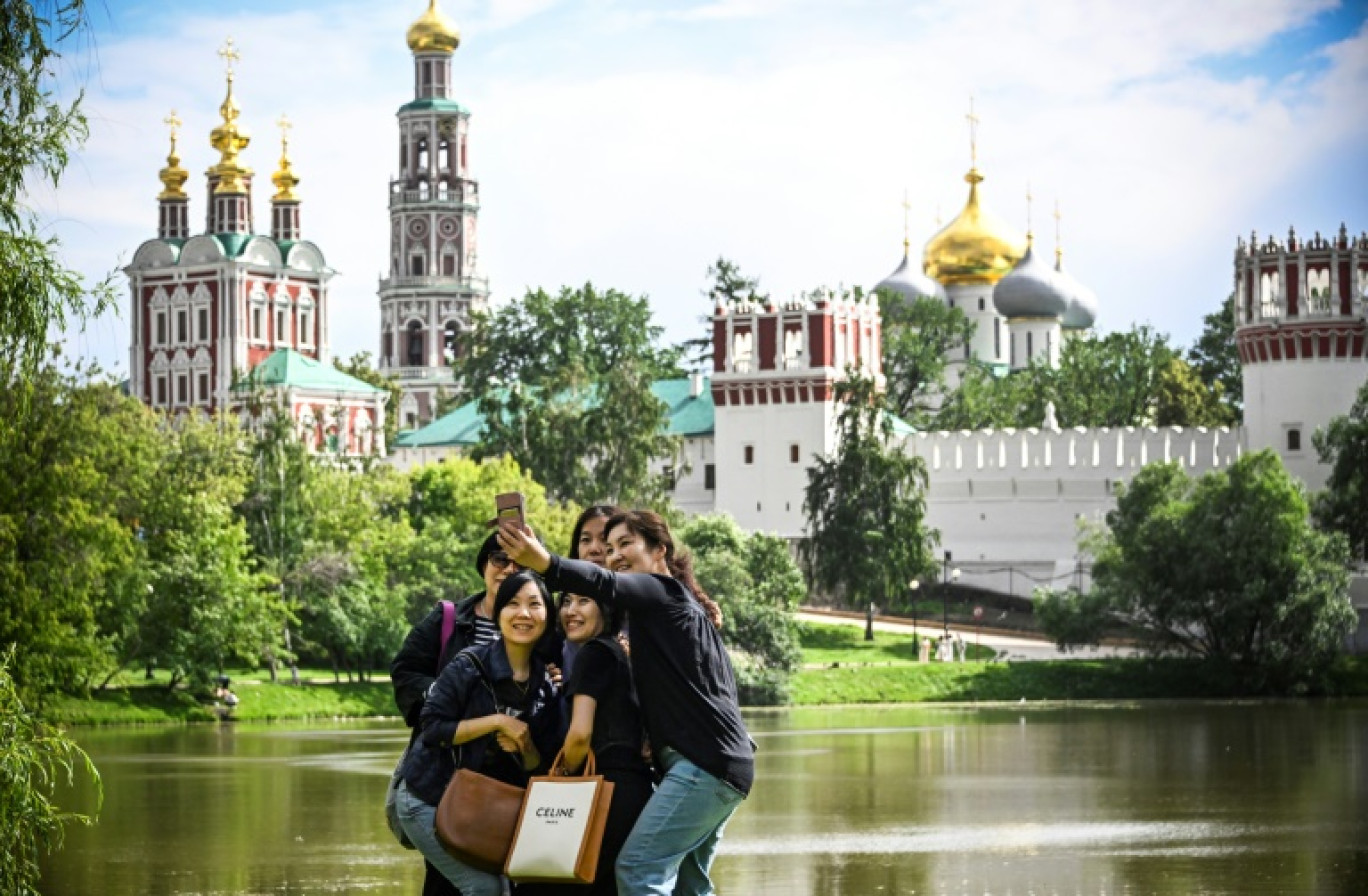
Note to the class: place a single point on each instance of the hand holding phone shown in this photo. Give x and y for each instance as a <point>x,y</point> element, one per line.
<point>509,506</point>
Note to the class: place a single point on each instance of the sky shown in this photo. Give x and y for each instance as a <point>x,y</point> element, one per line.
<point>632,142</point>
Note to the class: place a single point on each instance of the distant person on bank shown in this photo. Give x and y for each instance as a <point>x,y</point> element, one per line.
<point>422,656</point>
<point>687,692</point>
<point>492,710</point>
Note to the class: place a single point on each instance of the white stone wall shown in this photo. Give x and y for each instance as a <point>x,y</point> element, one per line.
<point>691,493</point>
<point>766,495</point>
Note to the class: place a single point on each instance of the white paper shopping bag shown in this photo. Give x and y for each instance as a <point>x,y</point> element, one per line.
<point>560,831</point>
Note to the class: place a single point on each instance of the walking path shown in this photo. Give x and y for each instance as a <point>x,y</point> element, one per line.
<point>1013,646</point>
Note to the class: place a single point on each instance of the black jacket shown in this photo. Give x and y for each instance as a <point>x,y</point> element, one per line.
<point>416,665</point>
<point>462,692</point>
<point>684,678</point>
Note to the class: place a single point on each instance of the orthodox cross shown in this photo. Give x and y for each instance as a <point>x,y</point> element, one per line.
<point>173,122</point>
<point>230,55</point>
<point>284,124</point>
<point>973,134</point>
<point>907,207</point>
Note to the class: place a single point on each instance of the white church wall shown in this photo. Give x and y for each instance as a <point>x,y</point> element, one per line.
<point>691,492</point>
<point>766,494</point>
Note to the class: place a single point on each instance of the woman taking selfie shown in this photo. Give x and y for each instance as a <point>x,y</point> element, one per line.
<point>687,694</point>
<point>492,710</point>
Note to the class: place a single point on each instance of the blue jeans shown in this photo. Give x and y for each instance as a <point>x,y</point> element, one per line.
<point>671,848</point>
<point>418,821</point>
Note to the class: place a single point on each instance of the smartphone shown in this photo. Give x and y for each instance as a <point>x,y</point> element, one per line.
<point>509,506</point>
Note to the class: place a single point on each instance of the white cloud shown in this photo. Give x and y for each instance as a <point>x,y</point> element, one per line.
<point>630,149</point>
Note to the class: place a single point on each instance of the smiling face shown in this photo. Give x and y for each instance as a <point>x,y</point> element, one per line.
<point>629,552</point>
<point>591,545</point>
<point>523,620</point>
<point>581,618</point>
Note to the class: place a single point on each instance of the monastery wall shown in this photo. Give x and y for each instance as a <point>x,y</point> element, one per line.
<point>1009,503</point>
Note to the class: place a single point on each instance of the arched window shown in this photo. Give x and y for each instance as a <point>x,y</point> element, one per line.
<point>443,154</point>
<point>451,343</point>
<point>414,345</point>
<point>742,346</point>
<point>1270,295</point>
<point>423,191</point>
<point>422,154</point>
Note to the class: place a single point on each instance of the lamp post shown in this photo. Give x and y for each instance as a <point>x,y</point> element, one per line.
<point>948,575</point>
<point>914,585</point>
<point>869,622</point>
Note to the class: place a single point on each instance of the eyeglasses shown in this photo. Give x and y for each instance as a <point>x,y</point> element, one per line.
<point>499,560</point>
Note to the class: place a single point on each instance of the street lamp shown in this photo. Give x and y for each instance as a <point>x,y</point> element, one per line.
<point>914,585</point>
<point>948,575</point>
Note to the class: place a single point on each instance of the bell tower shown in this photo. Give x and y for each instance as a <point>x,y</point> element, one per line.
<point>433,283</point>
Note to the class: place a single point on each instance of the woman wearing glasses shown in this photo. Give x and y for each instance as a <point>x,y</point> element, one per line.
<point>423,656</point>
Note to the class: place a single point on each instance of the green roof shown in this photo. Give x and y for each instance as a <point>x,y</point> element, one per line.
<point>687,415</point>
<point>291,370</point>
<point>232,243</point>
<point>900,426</point>
<point>437,104</point>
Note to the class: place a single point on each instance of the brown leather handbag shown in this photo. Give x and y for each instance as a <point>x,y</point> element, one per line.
<point>476,819</point>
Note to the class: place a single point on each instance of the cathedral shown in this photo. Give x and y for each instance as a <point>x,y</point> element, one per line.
<point>231,319</point>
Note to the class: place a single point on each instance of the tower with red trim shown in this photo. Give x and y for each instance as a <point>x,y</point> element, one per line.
<point>433,284</point>
<point>1301,328</point>
<point>775,366</point>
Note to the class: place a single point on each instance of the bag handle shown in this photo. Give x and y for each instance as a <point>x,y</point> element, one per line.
<point>558,770</point>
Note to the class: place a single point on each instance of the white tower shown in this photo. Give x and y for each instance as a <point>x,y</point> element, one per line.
<point>432,287</point>
<point>1301,327</point>
<point>774,372</point>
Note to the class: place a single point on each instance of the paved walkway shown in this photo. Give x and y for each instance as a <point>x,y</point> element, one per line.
<point>1014,646</point>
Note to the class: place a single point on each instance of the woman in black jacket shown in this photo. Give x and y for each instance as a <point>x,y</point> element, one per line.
<point>492,710</point>
<point>687,692</point>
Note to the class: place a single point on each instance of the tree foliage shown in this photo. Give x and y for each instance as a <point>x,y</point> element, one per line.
<point>1343,505</point>
<point>35,760</point>
<point>755,580</point>
<point>37,135</point>
<point>1216,360</point>
<point>1183,399</point>
<point>917,338</point>
<point>564,385</point>
<point>1226,567</point>
<point>727,285</point>
<point>866,505</point>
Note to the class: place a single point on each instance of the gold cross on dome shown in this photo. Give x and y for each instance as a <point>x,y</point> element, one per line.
<point>907,207</point>
<point>173,121</point>
<point>973,134</point>
<point>284,124</point>
<point>1029,197</point>
<point>229,54</point>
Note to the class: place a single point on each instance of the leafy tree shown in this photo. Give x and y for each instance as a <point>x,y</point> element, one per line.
<point>449,506</point>
<point>1215,359</point>
<point>1226,567</point>
<point>866,505</point>
<point>34,760</point>
<point>1112,380</point>
<point>917,337</point>
<point>984,400</point>
<point>73,473</point>
<point>564,384</point>
<point>37,134</point>
<point>755,580</point>
<point>1183,399</point>
<point>359,366</point>
<point>1343,445</point>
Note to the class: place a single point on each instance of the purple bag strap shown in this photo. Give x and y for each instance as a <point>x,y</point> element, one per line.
<point>448,626</point>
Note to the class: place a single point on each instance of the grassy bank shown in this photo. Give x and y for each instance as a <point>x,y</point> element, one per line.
<point>839,667</point>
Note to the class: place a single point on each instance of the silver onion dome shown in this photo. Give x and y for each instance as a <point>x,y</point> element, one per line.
<point>909,282</point>
<point>1032,289</point>
<point>1082,311</point>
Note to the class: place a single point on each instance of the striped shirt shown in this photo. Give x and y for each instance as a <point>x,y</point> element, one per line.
<point>486,632</point>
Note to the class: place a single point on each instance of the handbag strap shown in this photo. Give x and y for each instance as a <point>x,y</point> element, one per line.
<point>448,627</point>
<point>558,770</point>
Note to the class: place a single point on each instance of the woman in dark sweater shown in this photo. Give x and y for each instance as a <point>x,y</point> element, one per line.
<point>687,693</point>
<point>492,710</point>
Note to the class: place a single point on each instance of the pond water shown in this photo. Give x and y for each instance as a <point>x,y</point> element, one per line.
<point>1163,798</point>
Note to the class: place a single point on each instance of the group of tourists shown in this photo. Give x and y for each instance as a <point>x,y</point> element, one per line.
<point>625,661</point>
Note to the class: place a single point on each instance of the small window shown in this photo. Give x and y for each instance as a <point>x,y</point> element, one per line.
<point>1294,439</point>
<point>793,454</point>
<point>161,391</point>
<point>980,303</point>
<point>281,335</point>
<point>709,476</point>
<point>204,325</point>
<point>204,388</point>
<point>256,323</point>
<point>305,331</point>
<point>182,327</point>
<point>750,454</point>
<point>416,266</point>
<point>161,328</point>
<point>182,390</point>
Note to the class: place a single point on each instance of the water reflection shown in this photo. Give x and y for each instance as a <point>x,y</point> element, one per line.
<point>1156,798</point>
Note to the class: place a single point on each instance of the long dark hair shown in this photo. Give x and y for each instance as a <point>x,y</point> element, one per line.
<point>651,528</point>
<point>592,512</point>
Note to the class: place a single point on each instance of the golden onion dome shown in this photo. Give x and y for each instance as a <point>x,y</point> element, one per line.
<point>433,32</point>
<point>173,176</point>
<point>976,247</point>
<point>284,178</point>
